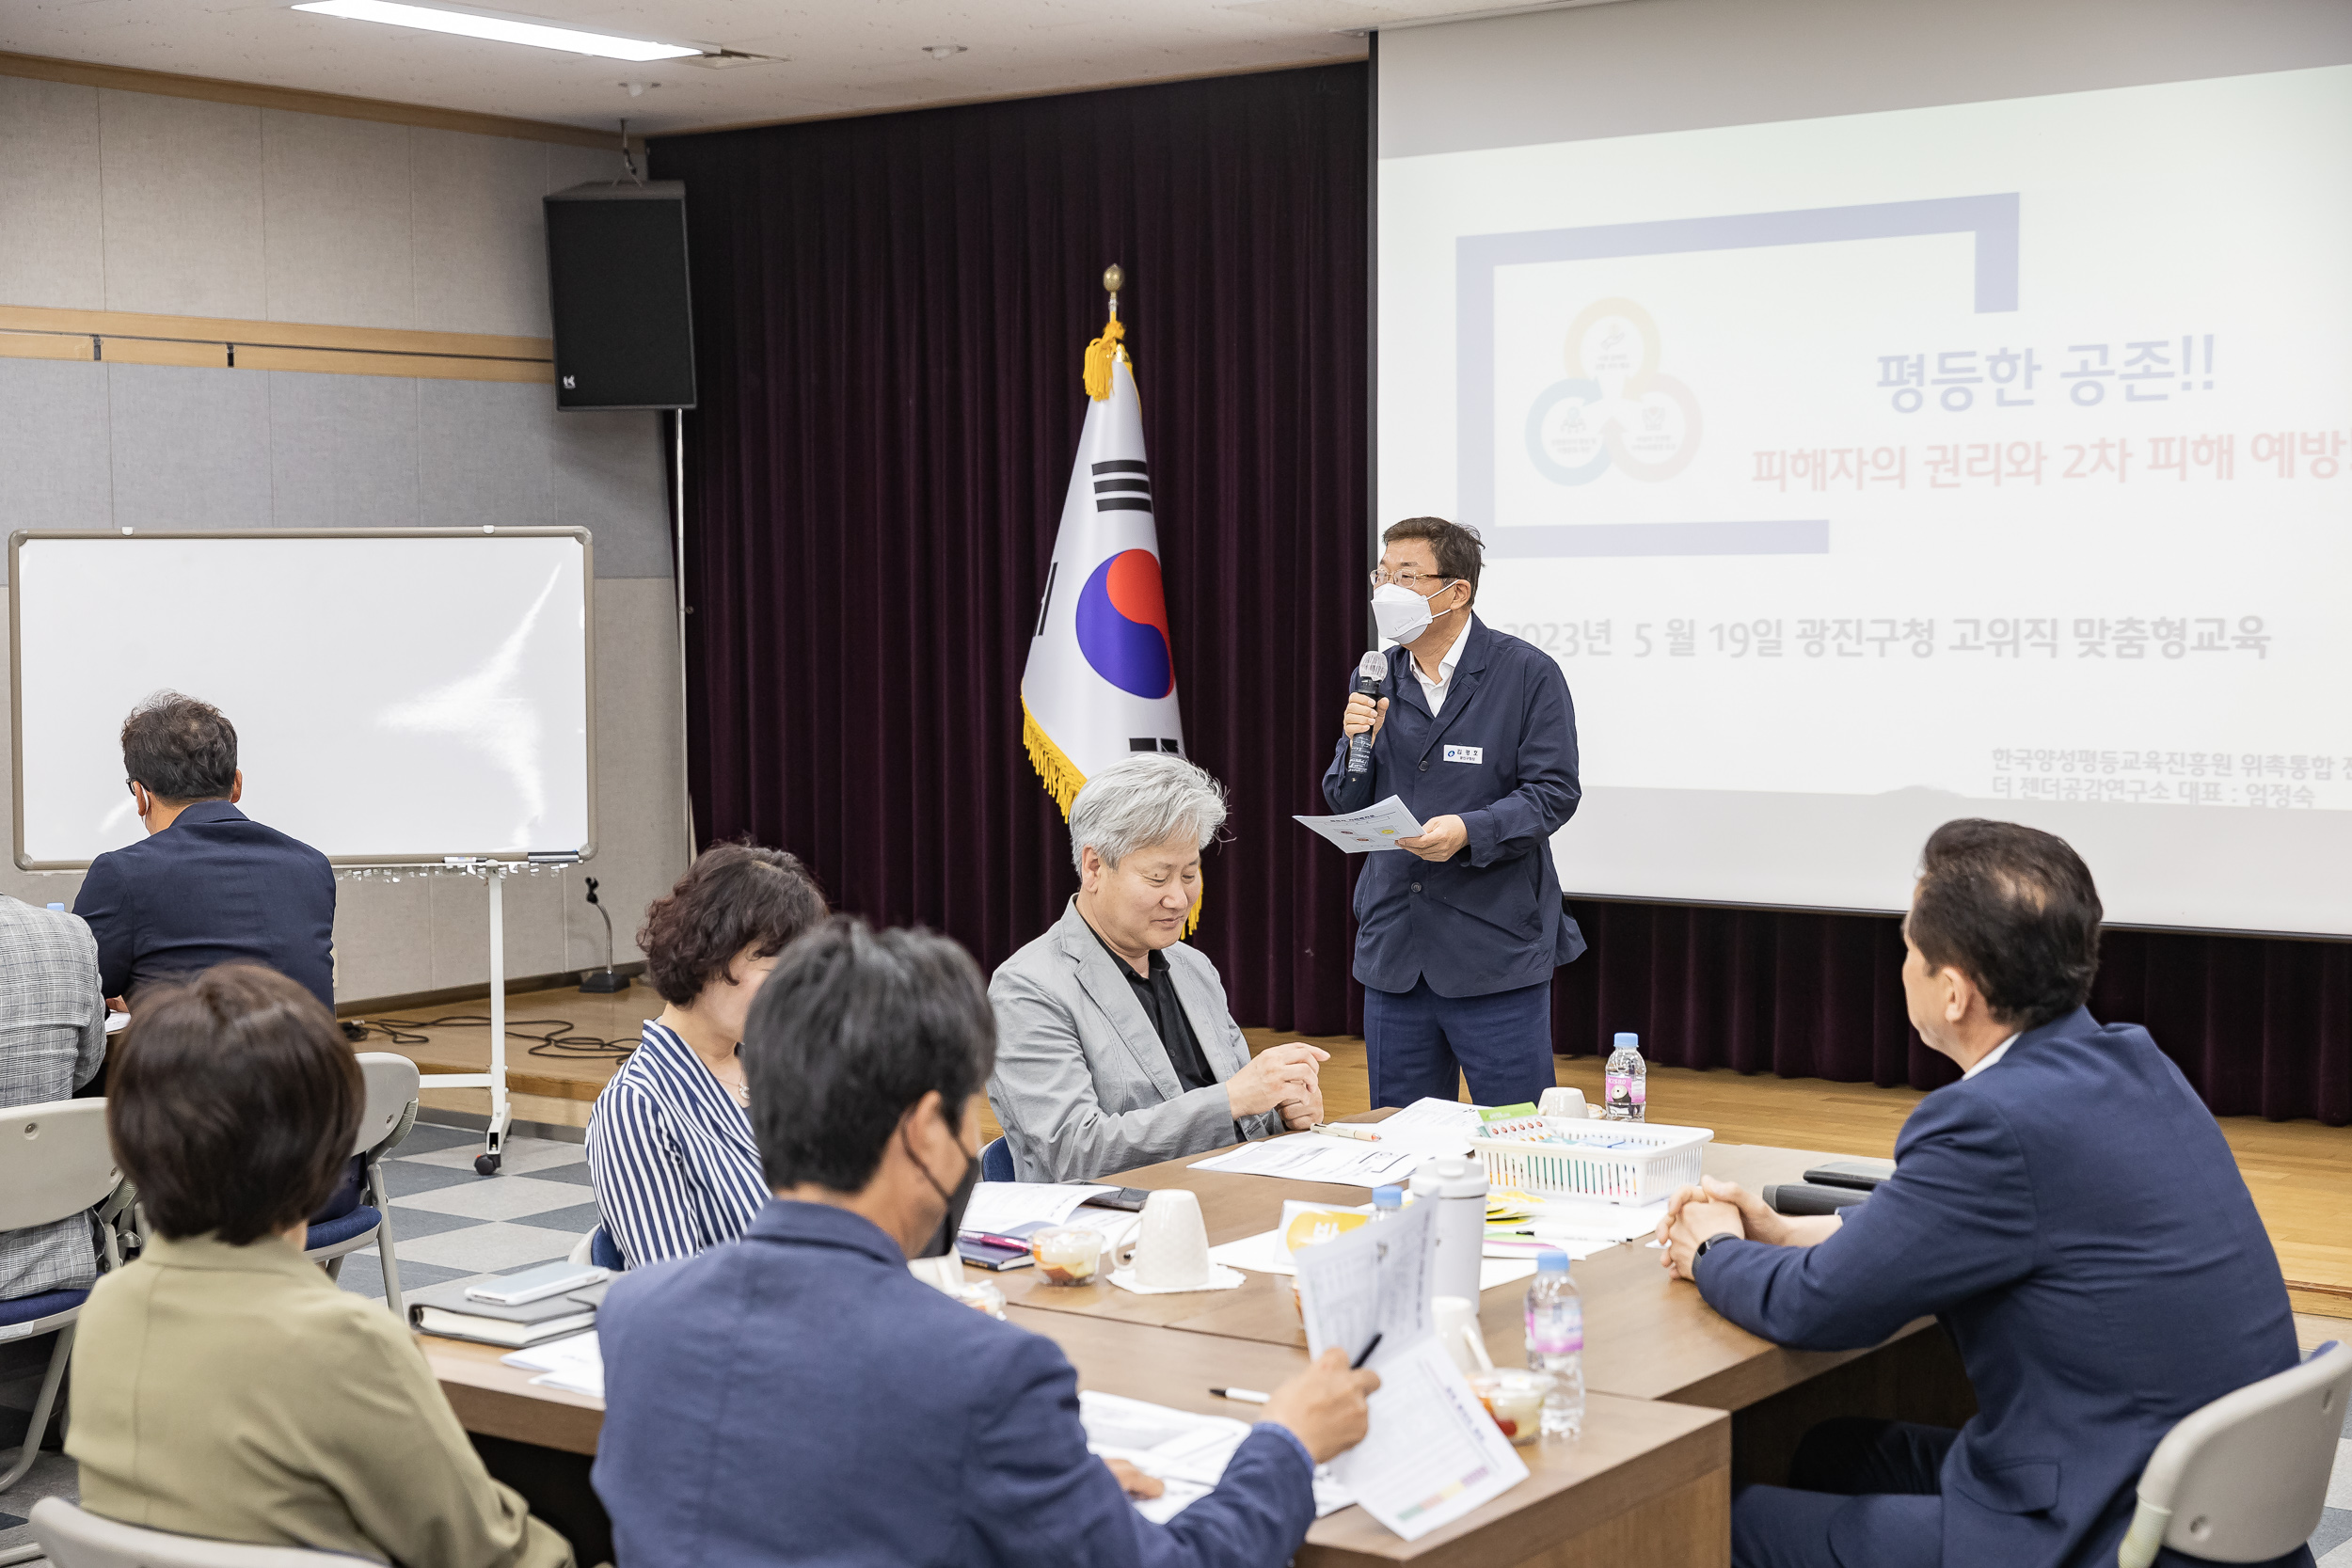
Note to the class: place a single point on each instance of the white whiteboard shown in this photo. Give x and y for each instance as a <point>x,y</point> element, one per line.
<point>399,695</point>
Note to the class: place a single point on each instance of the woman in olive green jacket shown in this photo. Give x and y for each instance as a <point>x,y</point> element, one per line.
<point>223,1386</point>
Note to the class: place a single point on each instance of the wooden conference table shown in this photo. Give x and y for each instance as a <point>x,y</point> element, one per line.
<point>1680,1403</point>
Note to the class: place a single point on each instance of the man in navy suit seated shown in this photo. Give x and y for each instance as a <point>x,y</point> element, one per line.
<point>2069,1209</point>
<point>799,1396</point>
<point>207,885</point>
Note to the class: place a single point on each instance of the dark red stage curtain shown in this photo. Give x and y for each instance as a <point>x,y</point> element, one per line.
<point>889,315</point>
<point>2261,1027</point>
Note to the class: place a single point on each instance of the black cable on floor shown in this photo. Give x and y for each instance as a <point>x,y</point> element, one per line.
<point>557,1042</point>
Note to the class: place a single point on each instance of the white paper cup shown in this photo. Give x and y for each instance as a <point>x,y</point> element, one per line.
<point>1171,1247</point>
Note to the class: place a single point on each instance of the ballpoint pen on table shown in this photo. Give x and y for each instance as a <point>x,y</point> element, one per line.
<point>1245,1396</point>
<point>1340,1130</point>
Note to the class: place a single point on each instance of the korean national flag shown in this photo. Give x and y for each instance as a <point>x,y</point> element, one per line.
<point>1100,682</point>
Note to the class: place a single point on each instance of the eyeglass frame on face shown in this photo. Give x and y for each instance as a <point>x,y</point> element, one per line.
<point>1410,579</point>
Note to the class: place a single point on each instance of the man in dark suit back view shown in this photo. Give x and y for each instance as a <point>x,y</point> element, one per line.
<point>2069,1209</point>
<point>208,885</point>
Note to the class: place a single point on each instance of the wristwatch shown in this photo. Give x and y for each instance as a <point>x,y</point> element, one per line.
<point>1719,1235</point>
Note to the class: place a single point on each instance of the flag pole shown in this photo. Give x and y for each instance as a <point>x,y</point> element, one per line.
<point>1108,347</point>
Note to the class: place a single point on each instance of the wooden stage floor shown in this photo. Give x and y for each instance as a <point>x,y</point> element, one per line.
<point>2300,1173</point>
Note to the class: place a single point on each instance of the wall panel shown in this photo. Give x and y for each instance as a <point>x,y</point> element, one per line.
<point>53,244</point>
<point>189,448</point>
<point>337,225</point>
<point>342,451</point>
<point>247,216</point>
<point>182,186</point>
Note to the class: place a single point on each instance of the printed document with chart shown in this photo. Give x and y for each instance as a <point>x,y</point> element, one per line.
<point>1432,1454</point>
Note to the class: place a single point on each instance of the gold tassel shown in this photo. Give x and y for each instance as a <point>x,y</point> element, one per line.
<point>1062,779</point>
<point>1192,921</point>
<point>1099,356</point>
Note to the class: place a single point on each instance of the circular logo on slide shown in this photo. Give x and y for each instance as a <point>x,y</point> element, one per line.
<point>1122,624</point>
<point>1616,409</point>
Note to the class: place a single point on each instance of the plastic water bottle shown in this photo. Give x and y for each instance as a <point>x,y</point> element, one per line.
<point>1555,1342</point>
<point>1626,1082</point>
<point>1387,1203</point>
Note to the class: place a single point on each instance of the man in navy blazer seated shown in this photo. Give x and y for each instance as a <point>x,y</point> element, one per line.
<point>1457,937</point>
<point>207,885</point>
<point>799,1396</point>
<point>2068,1208</point>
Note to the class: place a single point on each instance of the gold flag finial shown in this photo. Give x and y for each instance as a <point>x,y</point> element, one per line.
<point>1099,354</point>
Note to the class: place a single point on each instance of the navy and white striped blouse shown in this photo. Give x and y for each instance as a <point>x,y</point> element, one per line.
<point>670,1154</point>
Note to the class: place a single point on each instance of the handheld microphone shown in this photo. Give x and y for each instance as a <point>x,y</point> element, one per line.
<point>1369,672</point>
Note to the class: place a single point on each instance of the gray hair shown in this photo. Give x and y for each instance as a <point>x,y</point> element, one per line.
<point>1140,800</point>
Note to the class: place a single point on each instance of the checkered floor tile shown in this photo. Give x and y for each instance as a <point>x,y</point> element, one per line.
<point>450,1223</point>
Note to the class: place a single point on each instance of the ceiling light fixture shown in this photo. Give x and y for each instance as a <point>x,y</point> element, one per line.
<point>943,51</point>
<point>501,29</point>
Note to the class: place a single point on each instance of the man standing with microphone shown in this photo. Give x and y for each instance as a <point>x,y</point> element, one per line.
<point>1473,730</point>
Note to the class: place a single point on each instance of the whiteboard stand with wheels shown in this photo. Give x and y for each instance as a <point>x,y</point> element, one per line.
<point>406,700</point>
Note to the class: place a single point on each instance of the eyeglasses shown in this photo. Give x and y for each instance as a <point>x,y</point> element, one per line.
<point>1407,579</point>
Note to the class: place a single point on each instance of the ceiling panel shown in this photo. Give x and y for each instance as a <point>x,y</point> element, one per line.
<point>837,58</point>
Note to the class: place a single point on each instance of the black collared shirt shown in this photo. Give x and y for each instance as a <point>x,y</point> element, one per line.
<point>1155,993</point>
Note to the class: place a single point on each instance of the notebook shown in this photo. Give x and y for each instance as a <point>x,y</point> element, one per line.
<point>444,1309</point>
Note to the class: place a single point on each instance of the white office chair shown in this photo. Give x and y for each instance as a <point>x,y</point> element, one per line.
<point>74,1539</point>
<point>55,1164</point>
<point>390,1111</point>
<point>2244,1479</point>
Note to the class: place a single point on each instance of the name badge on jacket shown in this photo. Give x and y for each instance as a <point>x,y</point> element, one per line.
<point>1466,753</point>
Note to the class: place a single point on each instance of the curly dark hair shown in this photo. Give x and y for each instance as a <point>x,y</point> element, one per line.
<point>2014,910</point>
<point>735,896</point>
<point>181,749</point>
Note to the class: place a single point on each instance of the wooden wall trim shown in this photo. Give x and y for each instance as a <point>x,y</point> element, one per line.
<point>128,336</point>
<point>295,100</point>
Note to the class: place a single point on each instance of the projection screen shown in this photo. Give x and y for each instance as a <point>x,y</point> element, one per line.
<point>1886,414</point>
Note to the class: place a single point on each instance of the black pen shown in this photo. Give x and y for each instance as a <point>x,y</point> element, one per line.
<point>1358,1364</point>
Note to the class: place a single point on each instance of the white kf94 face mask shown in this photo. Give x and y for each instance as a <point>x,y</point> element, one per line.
<point>1402,614</point>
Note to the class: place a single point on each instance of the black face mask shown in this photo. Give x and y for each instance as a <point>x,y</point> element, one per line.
<point>942,1241</point>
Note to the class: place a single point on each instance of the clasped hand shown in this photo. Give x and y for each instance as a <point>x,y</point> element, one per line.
<point>1716,1206</point>
<point>1284,1078</point>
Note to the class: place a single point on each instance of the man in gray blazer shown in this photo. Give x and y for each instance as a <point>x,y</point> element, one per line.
<point>1114,1044</point>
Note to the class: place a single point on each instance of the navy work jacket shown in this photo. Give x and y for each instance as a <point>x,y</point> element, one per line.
<point>1501,756</point>
<point>2075,1218</point>
<point>797,1397</point>
<point>216,887</point>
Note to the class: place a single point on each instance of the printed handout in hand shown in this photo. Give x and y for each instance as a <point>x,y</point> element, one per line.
<point>1371,1281</point>
<point>1431,1454</point>
<point>1375,827</point>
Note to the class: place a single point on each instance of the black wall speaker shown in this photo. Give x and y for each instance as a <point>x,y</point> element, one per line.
<point>617,286</point>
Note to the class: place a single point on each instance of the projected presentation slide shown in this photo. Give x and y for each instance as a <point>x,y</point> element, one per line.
<point>1868,471</point>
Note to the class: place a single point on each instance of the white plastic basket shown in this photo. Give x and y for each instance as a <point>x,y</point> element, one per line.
<point>1649,1162</point>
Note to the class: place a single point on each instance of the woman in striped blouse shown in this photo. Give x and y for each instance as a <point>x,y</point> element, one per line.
<point>670,1145</point>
